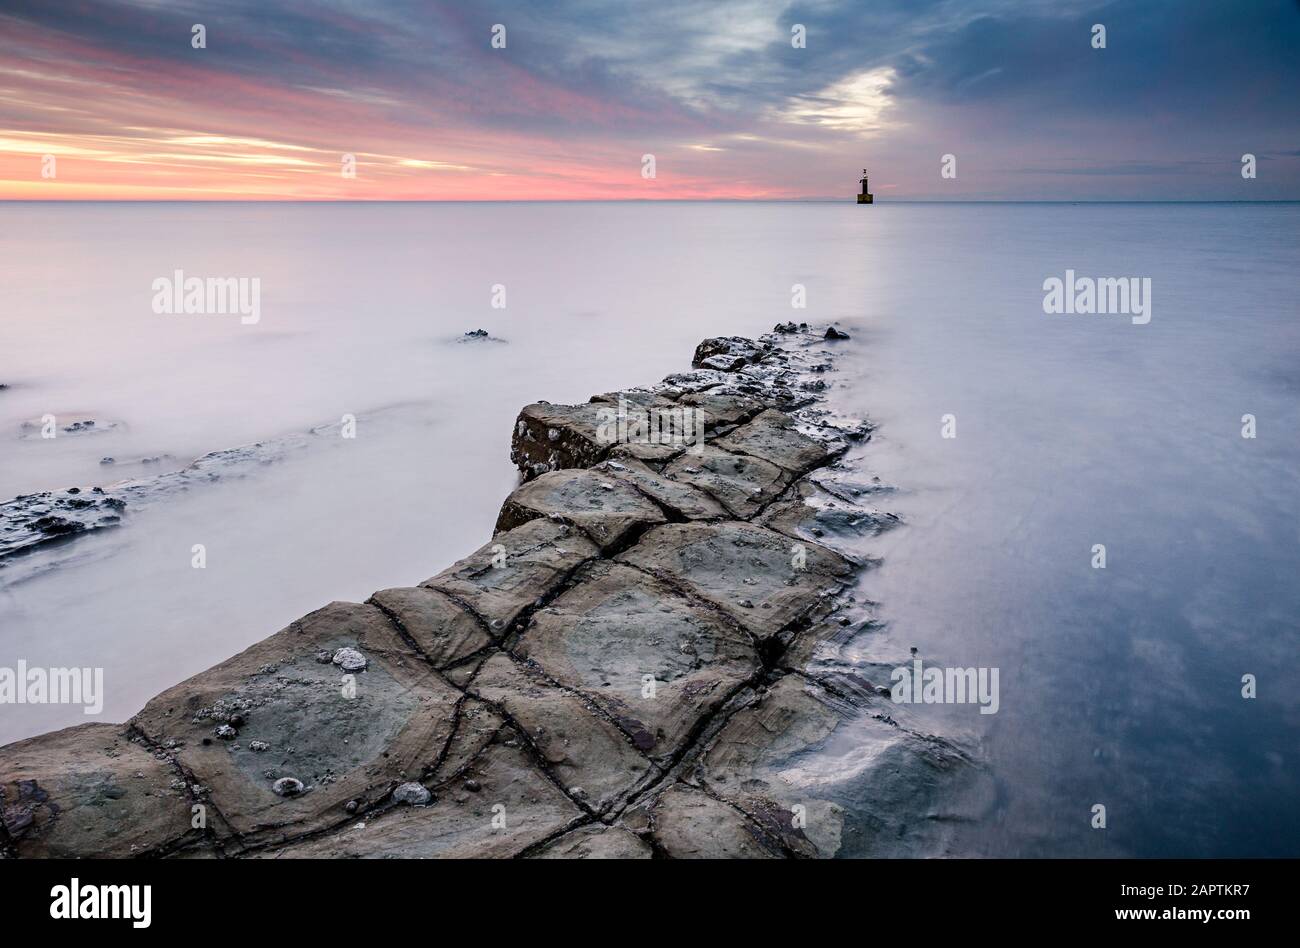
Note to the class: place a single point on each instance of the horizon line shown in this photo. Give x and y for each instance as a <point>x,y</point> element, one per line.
<point>808,200</point>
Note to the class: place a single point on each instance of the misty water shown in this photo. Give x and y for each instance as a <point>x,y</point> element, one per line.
<point>1120,686</point>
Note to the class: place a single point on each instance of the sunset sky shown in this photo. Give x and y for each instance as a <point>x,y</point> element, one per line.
<point>115,92</point>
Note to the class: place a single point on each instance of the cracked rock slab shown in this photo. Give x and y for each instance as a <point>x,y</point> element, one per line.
<point>87,792</point>
<point>860,784</point>
<point>595,842</point>
<point>679,499</point>
<point>509,575</point>
<point>720,408</point>
<point>477,725</point>
<point>743,485</point>
<point>441,629</point>
<point>607,509</point>
<point>690,824</point>
<point>774,437</point>
<point>748,760</point>
<point>813,513</point>
<point>514,808</point>
<point>295,715</point>
<point>590,757</point>
<point>762,579</point>
<point>649,658</point>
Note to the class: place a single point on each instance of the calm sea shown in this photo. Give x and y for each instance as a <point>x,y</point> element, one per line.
<point>1119,686</point>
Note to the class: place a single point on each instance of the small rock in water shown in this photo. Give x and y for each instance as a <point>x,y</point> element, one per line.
<point>108,460</point>
<point>479,333</point>
<point>350,660</point>
<point>833,333</point>
<point>288,786</point>
<point>413,793</point>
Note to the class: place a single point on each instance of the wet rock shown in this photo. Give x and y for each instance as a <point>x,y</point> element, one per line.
<point>89,792</point>
<point>507,577</point>
<point>477,726</point>
<point>581,749</point>
<point>596,841</point>
<point>655,663</point>
<point>728,563</point>
<point>552,437</point>
<point>635,400</point>
<point>31,521</point>
<point>743,485</point>
<point>609,510</point>
<point>723,362</point>
<point>349,740</point>
<point>413,794</point>
<point>517,808</point>
<point>67,423</point>
<point>814,513</point>
<point>830,776</point>
<point>730,350</point>
<point>681,500</point>
<point>721,408</point>
<point>478,337</point>
<point>689,824</point>
<point>833,333</point>
<point>441,629</point>
<point>652,454</point>
<point>774,437</point>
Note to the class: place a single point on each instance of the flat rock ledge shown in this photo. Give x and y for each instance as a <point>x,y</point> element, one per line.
<point>622,672</point>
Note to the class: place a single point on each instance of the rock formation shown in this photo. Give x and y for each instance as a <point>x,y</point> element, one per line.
<point>625,670</point>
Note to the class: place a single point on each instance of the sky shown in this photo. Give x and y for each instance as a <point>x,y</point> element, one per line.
<point>110,99</point>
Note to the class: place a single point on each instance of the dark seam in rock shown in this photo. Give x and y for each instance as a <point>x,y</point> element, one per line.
<point>539,759</point>
<point>135,734</point>
<point>576,823</point>
<point>755,827</point>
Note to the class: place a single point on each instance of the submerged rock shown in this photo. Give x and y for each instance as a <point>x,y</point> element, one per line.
<point>31,521</point>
